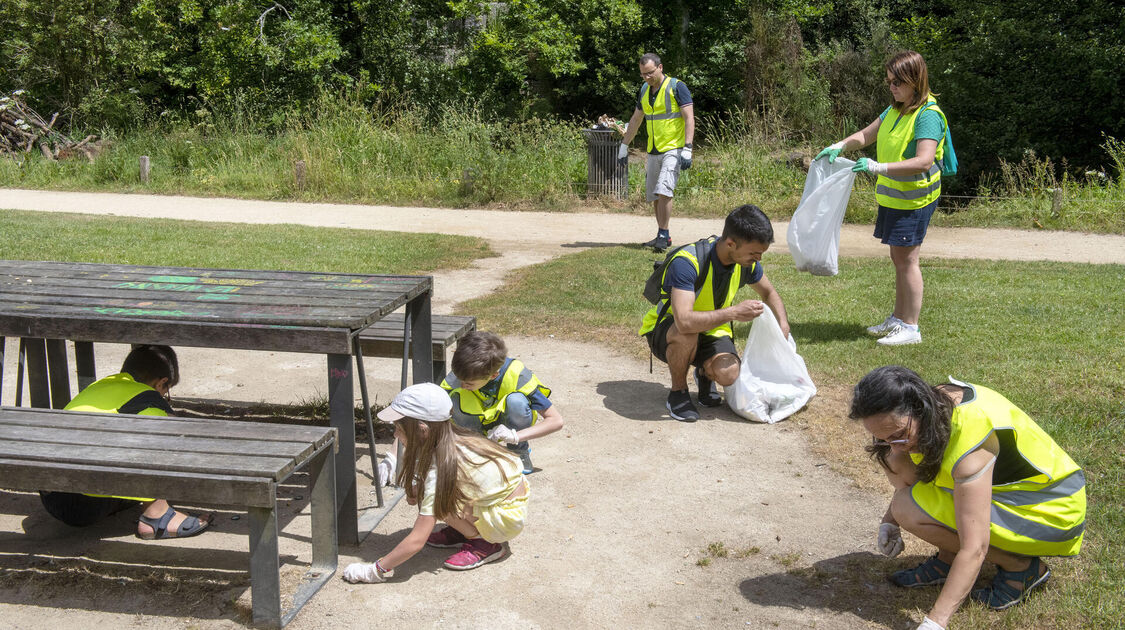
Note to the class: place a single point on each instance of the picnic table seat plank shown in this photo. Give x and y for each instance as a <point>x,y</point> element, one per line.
<point>204,463</point>
<point>384,337</point>
<point>160,425</point>
<point>229,490</point>
<point>154,442</point>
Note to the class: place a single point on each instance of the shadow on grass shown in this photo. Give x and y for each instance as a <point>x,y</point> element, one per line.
<point>852,584</point>
<point>823,332</point>
<point>592,245</point>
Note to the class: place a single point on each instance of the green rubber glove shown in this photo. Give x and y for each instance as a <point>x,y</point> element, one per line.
<point>832,152</point>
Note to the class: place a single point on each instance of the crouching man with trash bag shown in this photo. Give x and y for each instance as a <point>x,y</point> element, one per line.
<point>693,292</point>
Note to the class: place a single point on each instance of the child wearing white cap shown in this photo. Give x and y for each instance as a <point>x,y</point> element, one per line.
<point>452,475</point>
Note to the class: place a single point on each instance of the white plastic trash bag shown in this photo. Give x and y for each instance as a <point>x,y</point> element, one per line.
<point>814,230</point>
<point>774,382</point>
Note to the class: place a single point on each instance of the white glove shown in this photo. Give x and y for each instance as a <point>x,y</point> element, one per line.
<point>367,573</point>
<point>386,469</point>
<point>503,434</point>
<point>685,158</point>
<point>890,540</point>
<point>930,624</point>
<point>622,152</point>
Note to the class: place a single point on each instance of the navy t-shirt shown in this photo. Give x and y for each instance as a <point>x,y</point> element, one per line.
<point>681,275</point>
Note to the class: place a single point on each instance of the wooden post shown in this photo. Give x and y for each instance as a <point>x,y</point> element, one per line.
<point>467,182</point>
<point>299,173</point>
<point>144,169</point>
<point>1056,203</point>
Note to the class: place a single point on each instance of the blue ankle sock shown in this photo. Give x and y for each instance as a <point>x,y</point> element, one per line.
<point>663,233</point>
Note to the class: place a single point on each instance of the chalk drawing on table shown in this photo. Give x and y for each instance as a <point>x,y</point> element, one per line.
<point>173,286</point>
<point>177,279</point>
<point>241,282</point>
<point>337,373</point>
<point>152,312</point>
<point>213,297</point>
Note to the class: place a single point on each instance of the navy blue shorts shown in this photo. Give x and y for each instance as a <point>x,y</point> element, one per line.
<point>903,228</point>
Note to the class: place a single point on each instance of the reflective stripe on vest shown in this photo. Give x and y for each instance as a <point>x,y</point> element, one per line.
<point>704,298</point>
<point>906,192</point>
<point>514,378</point>
<point>1030,528</point>
<point>664,120</point>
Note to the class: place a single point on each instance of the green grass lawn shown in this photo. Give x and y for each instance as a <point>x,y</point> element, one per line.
<point>105,239</point>
<point>1046,335</point>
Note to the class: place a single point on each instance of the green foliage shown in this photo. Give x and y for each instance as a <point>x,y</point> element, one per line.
<point>1027,74</point>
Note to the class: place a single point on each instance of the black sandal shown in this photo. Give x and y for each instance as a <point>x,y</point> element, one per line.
<point>931,572</point>
<point>191,526</point>
<point>1000,594</point>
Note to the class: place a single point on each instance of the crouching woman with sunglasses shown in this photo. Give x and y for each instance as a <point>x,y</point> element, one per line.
<point>975,477</point>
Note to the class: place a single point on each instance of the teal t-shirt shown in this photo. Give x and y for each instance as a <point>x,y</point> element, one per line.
<point>929,126</point>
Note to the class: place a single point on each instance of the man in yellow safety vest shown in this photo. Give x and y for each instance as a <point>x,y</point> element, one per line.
<point>664,103</point>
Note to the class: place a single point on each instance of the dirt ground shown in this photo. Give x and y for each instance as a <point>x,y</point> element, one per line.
<point>636,520</point>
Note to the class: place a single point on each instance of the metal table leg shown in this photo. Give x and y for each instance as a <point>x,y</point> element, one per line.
<point>341,417</point>
<point>418,335</point>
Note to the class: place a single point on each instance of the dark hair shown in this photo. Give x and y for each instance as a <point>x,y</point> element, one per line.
<point>479,354</point>
<point>748,223</point>
<point>900,391</point>
<point>150,363</point>
<point>909,68</point>
<point>647,57</point>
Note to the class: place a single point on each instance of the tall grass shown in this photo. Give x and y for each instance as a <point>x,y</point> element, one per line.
<point>457,157</point>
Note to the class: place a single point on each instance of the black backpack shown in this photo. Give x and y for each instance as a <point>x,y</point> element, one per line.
<point>652,290</point>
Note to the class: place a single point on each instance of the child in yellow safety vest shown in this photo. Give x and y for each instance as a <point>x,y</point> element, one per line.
<point>452,475</point>
<point>498,397</point>
<point>147,375</point>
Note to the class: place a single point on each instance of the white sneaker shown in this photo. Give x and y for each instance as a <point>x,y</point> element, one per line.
<point>901,335</point>
<point>884,328</point>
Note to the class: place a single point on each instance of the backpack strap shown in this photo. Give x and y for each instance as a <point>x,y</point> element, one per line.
<point>148,399</point>
<point>702,258</point>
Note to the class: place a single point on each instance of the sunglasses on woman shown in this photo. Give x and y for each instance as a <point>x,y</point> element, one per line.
<point>897,441</point>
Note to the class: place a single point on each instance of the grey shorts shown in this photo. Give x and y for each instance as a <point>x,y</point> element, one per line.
<point>661,174</point>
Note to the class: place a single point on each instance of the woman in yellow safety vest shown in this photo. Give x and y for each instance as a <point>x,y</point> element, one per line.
<point>910,136</point>
<point>975,477</point>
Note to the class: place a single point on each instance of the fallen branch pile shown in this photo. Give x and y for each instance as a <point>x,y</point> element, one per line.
<point>21,130</point>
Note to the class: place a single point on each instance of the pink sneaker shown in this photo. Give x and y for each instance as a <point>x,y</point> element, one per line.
<point>474,553</point>
<point>446,538</point>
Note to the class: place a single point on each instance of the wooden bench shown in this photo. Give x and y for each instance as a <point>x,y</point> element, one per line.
<point>384,337</point>
<point>198,461</point>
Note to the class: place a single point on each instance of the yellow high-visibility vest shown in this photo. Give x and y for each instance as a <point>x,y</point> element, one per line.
<point>515,378</point>
<point>704,298</point>
<point>663,118</point>
<point>1041,515</point>
<point>906,192</point>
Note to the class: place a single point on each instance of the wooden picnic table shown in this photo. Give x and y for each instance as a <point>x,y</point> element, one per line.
<point>46,303</point>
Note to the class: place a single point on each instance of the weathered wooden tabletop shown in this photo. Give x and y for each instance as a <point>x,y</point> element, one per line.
<point>219,308</point>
